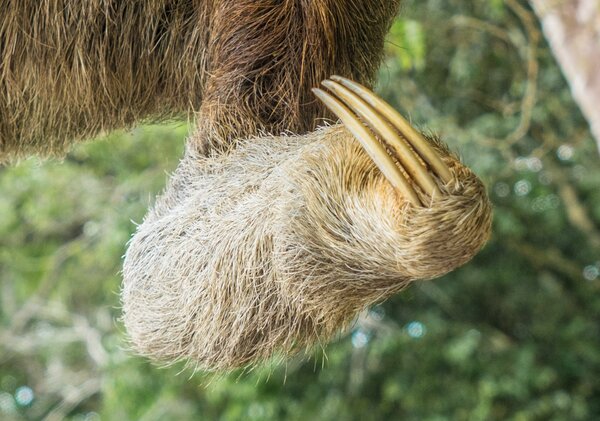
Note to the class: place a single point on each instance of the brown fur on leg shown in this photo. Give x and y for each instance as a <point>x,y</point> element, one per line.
<point>264,57</point>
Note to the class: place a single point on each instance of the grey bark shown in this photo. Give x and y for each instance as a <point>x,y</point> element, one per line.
<point>572,27</point>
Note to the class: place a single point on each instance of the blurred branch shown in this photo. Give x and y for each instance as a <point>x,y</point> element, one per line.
<point>528,49</point>
<point>573,31</point>
<point>92,338</point>
<point>527,46</point>
<point>57,330</point>
<point>551,142</point>
<point>47,283</point>
<point>483,26</point>
<point>72,397</point>
<point>74,328</point>
<point>533,67</point>
<point>551,258</point>
<point>577,213</point>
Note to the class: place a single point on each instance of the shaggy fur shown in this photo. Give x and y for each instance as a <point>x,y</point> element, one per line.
<point>71,69</point>
<point>277,246</point>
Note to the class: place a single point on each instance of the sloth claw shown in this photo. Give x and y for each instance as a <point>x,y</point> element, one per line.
<point>411,150</point>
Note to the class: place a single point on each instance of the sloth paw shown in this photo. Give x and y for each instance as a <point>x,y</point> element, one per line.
<point>279,244</point>
<point>434,213</point>
<point>402,154</point>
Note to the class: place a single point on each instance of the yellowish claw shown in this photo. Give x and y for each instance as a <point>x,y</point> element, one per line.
<point>355,104</point>
<point>406,155</point>
<point>412,136</point>
<point>371,145</point>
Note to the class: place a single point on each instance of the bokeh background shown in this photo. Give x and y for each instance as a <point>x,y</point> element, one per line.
<point>515,334</point>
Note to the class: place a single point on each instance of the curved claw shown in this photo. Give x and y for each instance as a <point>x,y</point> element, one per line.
<point>406,155</point>
<point>372,146</point>
<point>351,101</point>
<point>412,136</point>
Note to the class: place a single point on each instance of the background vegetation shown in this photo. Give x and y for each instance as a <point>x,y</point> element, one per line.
<point>515,334</point>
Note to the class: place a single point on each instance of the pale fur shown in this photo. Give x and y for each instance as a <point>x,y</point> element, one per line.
<point>279,244</point>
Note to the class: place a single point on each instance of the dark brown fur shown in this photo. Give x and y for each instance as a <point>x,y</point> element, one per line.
<point>71,69</point>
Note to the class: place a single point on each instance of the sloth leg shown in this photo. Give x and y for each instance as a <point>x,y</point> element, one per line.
<point>264,56</point>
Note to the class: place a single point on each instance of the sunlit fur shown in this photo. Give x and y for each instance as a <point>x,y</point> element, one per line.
<point>278,245</point>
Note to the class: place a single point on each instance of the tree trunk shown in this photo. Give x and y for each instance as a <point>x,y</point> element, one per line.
<point>572,28</point>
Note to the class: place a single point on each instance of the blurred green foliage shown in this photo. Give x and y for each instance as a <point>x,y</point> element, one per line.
<point>512,335</point>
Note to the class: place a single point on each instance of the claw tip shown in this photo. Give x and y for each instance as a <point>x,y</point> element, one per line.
<point>327,83</point>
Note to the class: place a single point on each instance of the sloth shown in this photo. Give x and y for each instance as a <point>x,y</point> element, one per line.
<point>276,230</point>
